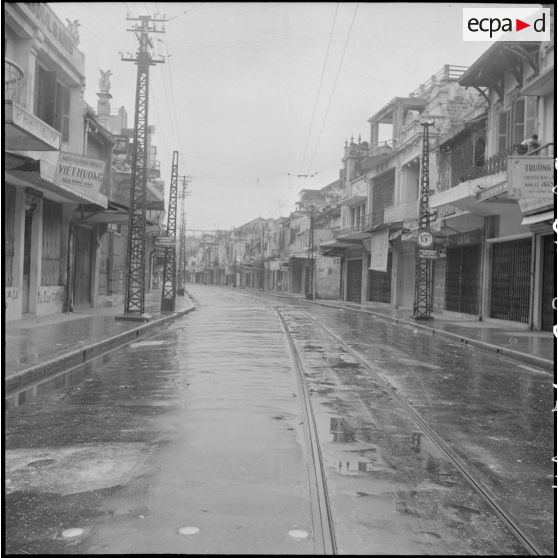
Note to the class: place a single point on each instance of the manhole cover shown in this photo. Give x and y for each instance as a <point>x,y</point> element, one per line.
<point>74,532</point>
<point>190,530</point>
<point>298,533</point>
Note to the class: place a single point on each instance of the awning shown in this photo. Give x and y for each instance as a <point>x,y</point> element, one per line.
<point>538,218</point>
<point>40,175</point>
<point>541,85</point>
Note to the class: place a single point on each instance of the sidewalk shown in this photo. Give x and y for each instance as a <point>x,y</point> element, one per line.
<point>35,346</point>
<point>532,347</point>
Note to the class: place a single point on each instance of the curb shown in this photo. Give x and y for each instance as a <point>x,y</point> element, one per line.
<point>89,352</point>
<point>483,345</point>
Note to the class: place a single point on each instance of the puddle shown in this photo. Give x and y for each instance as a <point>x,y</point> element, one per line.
<point>51,385</point>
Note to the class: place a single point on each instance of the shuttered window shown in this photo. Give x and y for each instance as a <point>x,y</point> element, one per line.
<point>531,107</point>
<point>52,101</point>
<point>518,122</point>
<point>502,131</point>
<point>382,195</point>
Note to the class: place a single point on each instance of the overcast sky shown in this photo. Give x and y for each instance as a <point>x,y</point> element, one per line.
<point>252,94</point>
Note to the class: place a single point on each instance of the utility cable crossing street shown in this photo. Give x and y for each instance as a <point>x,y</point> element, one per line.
<point>263,425</point>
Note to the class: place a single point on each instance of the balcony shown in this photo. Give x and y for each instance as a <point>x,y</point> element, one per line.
<point>356,230</point>
<point>463,171</point>
<point>400,212</point>
<point>13,81</point>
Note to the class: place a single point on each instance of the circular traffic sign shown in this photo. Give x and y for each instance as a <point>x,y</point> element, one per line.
<point>425,239</point>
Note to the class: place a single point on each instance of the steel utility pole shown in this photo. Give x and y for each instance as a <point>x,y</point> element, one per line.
<point>310,258</point>
<point>182,249</point>
<point>134,302</point>
<point>423,253</point>
<point>168,296</point>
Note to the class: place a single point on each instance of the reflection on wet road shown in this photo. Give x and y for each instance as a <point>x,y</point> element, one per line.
<point>192,441</point>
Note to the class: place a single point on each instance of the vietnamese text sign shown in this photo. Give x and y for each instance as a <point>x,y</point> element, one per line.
<point>530,177</point>
<point>76,170</point>
<point>379,246</point>
<point>428,254</point>
<point>32,125</point>
<point>166,241</point>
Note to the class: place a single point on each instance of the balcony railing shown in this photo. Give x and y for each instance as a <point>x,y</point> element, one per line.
<point>13,80</point>
<point>360,224</point>
<point>464,171</point>
<point>400,212</point>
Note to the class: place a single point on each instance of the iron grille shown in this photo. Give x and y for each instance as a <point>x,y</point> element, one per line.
<point>380,284</point>
<point>354,280</point>
<point>511,265</point>
<point>548,282</point>
<point>463,279</point>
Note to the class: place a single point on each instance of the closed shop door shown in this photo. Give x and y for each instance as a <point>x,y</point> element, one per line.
<point>463,279</point>
<point>82,283</point>
<point>511,265</point>
<point>354,280</point>
<point>548,282</point>
<point>380,284</point>
<point>27,260</point>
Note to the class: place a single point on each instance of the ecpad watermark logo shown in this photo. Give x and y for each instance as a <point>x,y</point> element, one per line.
<point>506,24</point>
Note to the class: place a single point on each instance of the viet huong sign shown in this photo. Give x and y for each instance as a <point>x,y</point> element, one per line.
<point>75,170</point>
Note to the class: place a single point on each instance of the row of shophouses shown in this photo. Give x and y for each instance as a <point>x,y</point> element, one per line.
<point>67,174</point>
<point>491,203</point>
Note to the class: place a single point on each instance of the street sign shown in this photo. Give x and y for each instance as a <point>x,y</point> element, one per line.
<point>425,239</point>
<point>165,241</point>
<point>428,254</point>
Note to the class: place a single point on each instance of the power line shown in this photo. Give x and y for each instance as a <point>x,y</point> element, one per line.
<point>320,86</point>
<point>334,86</point>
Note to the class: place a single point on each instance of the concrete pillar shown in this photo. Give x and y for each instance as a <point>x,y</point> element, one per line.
<point>36,256</point>
<point>95,266</point>
<point>19,239</point>
<point>67,214</point>
<point>364,285</point>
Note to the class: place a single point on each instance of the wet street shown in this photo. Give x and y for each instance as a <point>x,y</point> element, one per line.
<point>264,425</point>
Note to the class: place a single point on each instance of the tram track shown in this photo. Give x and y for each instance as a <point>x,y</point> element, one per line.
<point>322,521</point>
<point>325,524</point>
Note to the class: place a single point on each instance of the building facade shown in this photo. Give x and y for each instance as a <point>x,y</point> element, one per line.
<point>50,181</point>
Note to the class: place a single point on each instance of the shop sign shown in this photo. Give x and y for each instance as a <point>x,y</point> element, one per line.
<point>83,172</point>
<point>165,241</point>
<point>379,246</point>
<point>492,192</point>
<point>530,177</point>
<point>428,254</point>
<point>32,125</point>
<point>53,27</point>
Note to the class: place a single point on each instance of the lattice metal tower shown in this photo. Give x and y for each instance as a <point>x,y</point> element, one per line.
<point>182,249</point>
<point>134,302</point>
<point>168,296</point>
<point>422,303</point>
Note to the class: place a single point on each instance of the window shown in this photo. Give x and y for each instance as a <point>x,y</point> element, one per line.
<point>516,122</point>
<point>52,101</point>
